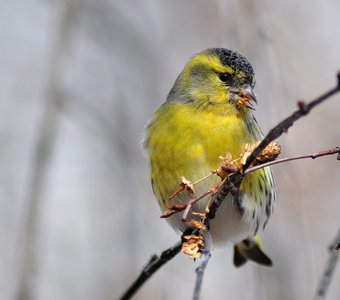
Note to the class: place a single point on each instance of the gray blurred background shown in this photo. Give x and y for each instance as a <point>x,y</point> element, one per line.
<point>79,80</point>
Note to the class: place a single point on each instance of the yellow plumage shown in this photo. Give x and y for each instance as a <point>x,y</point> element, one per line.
<point>200,122</point>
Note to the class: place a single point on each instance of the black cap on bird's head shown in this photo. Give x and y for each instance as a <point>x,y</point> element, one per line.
<point>241,87</point>
<point>237,62</point>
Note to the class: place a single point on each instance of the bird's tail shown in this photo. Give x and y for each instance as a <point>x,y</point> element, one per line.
<point>250,249</point>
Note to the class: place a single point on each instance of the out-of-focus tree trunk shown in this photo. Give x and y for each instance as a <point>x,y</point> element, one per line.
<point>45,144</point>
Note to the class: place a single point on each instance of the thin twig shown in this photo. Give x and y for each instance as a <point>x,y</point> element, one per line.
<point>335,150</point>
<point>213,191</point>
<point>234,181</point>
<point>202,264</point>
<point>151,267</point>
<point>192,202</point>
<point>203,178</point>
<point>186,207</point>
<point>329,269</point>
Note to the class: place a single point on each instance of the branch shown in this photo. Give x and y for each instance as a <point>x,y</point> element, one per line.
<point>202,264</point>
<point>335,150</point>
<point>151,267</point>
<point>329,269</point>
<point>234,181</point>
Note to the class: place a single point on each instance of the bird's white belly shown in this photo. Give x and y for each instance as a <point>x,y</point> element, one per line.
<point>230,225</point>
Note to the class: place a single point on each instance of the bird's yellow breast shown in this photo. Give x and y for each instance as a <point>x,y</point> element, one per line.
<point>184,140</point>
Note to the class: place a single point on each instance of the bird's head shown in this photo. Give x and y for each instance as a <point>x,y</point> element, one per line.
<point>216,76</point>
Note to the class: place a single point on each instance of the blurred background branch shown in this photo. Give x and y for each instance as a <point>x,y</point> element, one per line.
<point>328,273</point>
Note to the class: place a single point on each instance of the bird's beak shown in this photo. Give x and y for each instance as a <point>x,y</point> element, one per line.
<point>244,97</point>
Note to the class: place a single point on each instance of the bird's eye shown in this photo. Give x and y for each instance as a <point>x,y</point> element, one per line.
<point>225,78</point>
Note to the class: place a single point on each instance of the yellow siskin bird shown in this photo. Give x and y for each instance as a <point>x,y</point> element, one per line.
<point>208,113</point>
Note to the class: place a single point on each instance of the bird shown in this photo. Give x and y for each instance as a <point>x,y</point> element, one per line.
<point>209,112</point>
